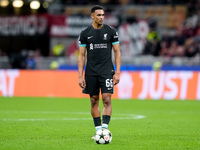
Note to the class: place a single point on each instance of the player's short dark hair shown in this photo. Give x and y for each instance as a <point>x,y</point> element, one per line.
<point>96,7</point>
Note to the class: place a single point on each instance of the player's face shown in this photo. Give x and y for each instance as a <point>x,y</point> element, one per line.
<point>98,16</point>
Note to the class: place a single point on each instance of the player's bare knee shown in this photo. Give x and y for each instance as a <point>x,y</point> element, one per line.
<point>94,100</point>
<point>94,104</point>
<point>107,101</point>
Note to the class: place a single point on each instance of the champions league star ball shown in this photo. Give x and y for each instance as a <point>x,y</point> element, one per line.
<point>103,136</point>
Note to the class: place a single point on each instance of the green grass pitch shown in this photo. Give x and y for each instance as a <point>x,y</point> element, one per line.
<point>66,124</point>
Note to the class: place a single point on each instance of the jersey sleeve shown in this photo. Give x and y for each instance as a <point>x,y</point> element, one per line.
<point>115,37</point>
<point>82,42</point>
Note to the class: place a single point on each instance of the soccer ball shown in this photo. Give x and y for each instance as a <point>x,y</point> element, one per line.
<point>103,136</point>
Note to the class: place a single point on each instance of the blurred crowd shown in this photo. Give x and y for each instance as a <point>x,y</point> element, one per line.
<point>118,2</point>
<point>184,42</point>
<point>25,59</point>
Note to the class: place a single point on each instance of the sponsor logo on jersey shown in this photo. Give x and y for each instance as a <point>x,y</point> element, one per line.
<point>116,36</point>
<point>100,46</point>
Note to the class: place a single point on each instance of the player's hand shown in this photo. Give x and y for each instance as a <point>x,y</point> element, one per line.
<point>82,82</point>
<point>116,78</point>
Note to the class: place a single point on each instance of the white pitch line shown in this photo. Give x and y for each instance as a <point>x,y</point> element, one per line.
<point>47,119</point>
<point>44,112</point>
<point>71,119</point>
<point>121,116</point>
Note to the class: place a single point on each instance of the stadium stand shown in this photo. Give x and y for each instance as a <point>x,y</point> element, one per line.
<point>176,26</point>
